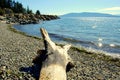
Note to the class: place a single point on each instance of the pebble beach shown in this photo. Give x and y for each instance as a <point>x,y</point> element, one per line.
<point>17,51</point>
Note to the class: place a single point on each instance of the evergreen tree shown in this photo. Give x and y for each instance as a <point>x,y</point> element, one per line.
<point>37,12</point>
<point>24,11</point>
<point>16,7</point>
<point>19,7</point>
<point>29,11</point>
<point>2,3</point>
<point>9,3</point>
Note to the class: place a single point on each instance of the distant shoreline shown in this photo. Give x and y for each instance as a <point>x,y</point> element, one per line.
<point>89,14</point>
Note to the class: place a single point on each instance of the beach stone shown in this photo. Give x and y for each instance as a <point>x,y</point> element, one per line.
<point>99,77</point>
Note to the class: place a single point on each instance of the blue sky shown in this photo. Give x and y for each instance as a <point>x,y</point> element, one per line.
<point>59,7</point>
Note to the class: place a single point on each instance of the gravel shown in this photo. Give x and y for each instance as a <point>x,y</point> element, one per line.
<point>17,52</point>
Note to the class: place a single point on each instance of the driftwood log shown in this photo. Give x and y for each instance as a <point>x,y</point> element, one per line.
<point>54,60</point>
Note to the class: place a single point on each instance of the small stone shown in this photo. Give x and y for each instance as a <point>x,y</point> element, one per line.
<point>20,77</point>
<point>3,68</point>
<point>99,77</point>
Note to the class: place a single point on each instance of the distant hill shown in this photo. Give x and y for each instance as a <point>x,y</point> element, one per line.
<point>88,14</point>
<point>118,14</point>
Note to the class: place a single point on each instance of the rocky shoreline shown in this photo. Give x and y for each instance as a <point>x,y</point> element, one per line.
<point>17,51</point>
<point>26,18</point>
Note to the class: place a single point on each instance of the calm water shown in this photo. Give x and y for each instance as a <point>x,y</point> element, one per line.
<point>102,33</point>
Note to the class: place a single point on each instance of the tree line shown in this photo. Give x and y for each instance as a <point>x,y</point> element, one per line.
<point>15,7</point>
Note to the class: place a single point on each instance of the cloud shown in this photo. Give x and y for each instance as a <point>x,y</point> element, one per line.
<point>110,9</point>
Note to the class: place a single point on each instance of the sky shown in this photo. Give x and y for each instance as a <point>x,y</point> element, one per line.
<point>60,7</point>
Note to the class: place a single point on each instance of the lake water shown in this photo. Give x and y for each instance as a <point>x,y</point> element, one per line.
<point>101,33</point>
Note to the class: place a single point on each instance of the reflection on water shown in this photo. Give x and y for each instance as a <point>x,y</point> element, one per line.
<point>94,26</point>
<point>100,44</point>
<point>100,39</point>
<point>112,45</point>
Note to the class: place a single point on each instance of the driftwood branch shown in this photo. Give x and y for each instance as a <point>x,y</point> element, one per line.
<point>45,42</point>
<point>54,65</point>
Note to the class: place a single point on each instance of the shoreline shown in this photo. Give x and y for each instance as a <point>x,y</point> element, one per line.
<point>24,19</point>
<point>87,49</point>
<point>18,50</point>
<point>93,40</point>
